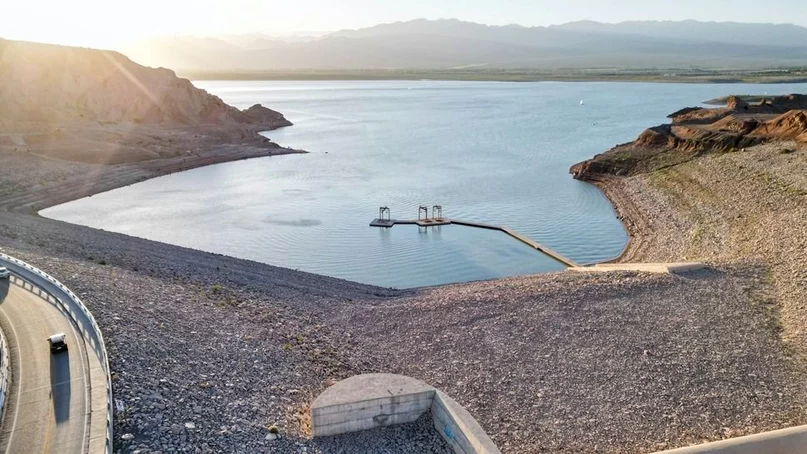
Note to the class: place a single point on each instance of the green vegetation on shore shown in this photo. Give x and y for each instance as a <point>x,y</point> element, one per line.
<point>779,75</point>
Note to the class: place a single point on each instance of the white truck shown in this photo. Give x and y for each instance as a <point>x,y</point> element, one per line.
<point>57,343</point>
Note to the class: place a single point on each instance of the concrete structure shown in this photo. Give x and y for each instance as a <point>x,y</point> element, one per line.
<point>458,428</point>
<point>785,441</point>
<point>663,268</point>
<point>367,401</point>
<point>376,400</point>
<point>432,222</point>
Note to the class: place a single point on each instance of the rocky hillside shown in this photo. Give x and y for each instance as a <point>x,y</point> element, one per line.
<point>98,106</point>
<point>696,130</point>
<point>48,83</point>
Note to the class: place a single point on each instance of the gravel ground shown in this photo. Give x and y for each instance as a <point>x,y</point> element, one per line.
<point>606,363</point>
<point>729,208</point>
<point>418,437</point>
<point>230,348</point>
<point>209,351</point>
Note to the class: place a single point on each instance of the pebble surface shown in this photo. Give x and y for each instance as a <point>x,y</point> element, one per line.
<point>209,352</point>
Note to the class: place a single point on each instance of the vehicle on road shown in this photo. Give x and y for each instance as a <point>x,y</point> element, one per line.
<point>4,273</point>
<point>57,343</point>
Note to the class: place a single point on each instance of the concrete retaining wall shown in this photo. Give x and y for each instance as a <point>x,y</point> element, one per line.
<point>375,400</point>
<point>4,372</point>
<point>367,401</point>
<point>367,414</point>
<point>785,441</point>
<point>459,429</point>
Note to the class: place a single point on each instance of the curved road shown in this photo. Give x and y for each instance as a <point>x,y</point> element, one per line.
<point>48,401</point>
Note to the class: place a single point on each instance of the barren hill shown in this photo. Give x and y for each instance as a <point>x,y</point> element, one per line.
<point>99,106</point>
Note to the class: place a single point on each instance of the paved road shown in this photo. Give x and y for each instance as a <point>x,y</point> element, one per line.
<point>47,407</point>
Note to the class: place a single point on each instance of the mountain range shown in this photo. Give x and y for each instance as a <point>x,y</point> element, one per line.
<point>454,44</point>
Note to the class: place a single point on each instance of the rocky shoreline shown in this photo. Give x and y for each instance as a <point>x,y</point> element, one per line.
<point>697,131</point>
<point>57,181</point>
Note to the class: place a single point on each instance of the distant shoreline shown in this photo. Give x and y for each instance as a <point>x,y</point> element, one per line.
<point>75,186</point>
<point>777,76</point>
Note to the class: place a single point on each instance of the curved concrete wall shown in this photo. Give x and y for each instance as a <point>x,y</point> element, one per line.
<point>3,373</point>
<point>784,441</point>
<point>375,400</point>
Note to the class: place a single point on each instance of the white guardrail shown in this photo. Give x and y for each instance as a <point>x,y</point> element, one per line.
<point>4,371</point>
<point>79,314</point>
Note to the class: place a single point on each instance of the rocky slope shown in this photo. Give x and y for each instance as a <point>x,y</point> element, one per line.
<point>43,82</point>
<point>98,106</point>
<point>696,130</point>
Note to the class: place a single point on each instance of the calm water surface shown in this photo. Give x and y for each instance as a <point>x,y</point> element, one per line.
<point>487,151</point>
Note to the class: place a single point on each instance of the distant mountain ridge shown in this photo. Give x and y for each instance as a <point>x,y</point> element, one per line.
<point>451,43</point>
<point>690,30</point>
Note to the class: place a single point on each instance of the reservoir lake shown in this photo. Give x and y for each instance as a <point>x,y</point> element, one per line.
<point>490,152</point>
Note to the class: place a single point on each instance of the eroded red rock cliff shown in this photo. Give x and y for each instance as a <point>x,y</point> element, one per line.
<point>697,130</point>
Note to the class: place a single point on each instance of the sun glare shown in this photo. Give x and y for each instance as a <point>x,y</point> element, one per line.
<point>104,24</point>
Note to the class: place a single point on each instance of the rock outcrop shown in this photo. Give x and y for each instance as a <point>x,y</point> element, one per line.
<point>695,130</point>
<point>265,116</point>
<point>788,126</point>
<point>735,103</point>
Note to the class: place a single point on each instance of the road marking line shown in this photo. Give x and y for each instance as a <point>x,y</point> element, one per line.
<point>39,320</point>
<point>49,431</point>
<point>51,385</point>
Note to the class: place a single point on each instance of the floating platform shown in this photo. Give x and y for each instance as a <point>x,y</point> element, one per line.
<point>433,222</point>
<point>382,223</point>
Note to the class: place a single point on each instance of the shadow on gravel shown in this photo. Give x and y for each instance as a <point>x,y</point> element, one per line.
<point>4,283</point>
<point>60,385</point>
<point>419,436</point>
<point>706,274</point>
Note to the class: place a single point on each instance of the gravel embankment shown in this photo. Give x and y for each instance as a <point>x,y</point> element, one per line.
<point>607,363</point>
<point>563,362</point>
<point>748,206</point>
<point>204,355</point>
<point>208,351</point>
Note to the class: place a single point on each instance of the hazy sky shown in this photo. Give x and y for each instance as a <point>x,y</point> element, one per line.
<point>109,23</point>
